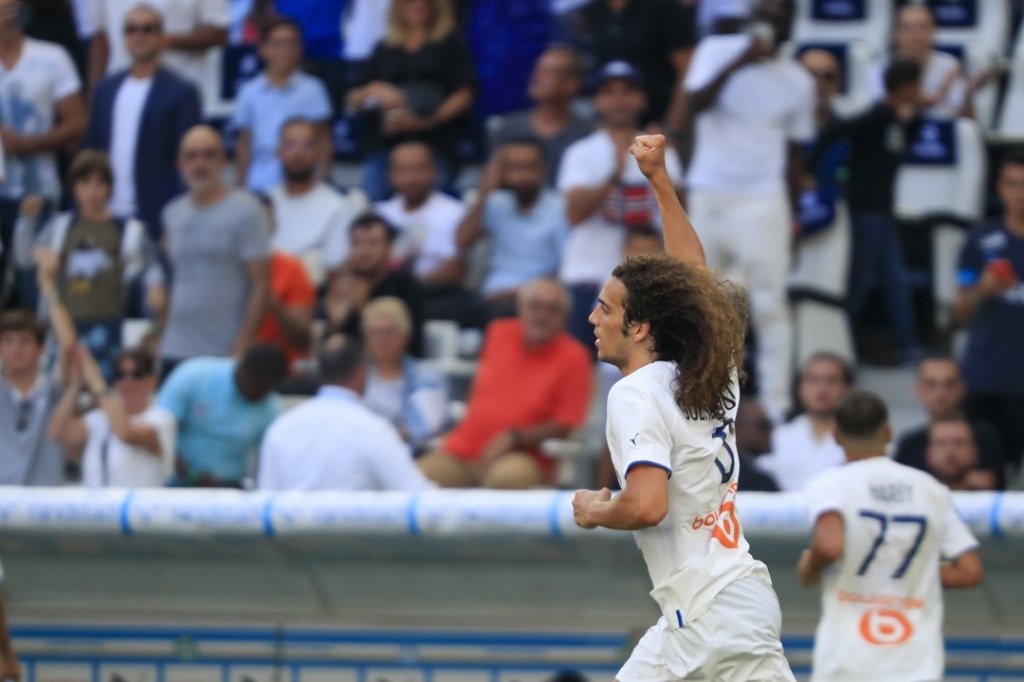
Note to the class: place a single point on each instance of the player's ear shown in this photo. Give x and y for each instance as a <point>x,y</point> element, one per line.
<point>641,331</point>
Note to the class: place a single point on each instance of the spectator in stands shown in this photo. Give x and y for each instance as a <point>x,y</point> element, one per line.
<point>10,669</point>
<point>53,21</point>
<point>266,102</point>
<point>333,441</point>
<point>192,28</point>
<point>523,220</point>
<point>367,274</point>
<point>311,217</point>
<point>828,83</point>
<point>753,439</point>
<point>534,383</point>
<point>555,82</point>
<point>419,85</point>
<point>217,241</point>
<point>89,258</point>
<point>753,107</point>
<point>878,138</point>
<point>952,456</point>
<point>222,407</point>
<point>41,112</point>
<point>804,446</point>
<point>322,32</point>
<point>605,193</point>
<point>990,304</point>
<point>940,391</point>
<point>427,222</point>
<point>138,117</point>
<point>28,398</point>
<point>128,441</point>
<point>406,392</point>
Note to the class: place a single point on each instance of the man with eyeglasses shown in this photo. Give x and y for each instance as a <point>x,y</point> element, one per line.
<point>138,116</point>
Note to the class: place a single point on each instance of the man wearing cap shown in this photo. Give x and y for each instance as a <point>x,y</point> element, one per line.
<point>605,193</point>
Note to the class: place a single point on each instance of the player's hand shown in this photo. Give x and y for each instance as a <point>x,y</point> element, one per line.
<point>649,151</point>
<point>582,504</point>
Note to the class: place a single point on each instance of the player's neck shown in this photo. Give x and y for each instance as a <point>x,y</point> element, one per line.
<point>860,455</point>
<point>638,360</point>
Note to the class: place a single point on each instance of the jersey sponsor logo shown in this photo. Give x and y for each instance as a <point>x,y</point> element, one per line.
<point>885,627</point>
<point>724,522</point>
<point>881,600</point>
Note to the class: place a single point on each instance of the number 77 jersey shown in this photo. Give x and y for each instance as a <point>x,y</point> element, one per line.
<point>882,601</point>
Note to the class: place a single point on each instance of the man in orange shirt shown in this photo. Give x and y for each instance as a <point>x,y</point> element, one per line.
<point>534,382</point>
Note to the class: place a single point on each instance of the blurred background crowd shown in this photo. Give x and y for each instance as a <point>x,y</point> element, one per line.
<point>354,244</point>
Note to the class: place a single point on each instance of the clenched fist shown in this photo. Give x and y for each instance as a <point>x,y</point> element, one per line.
<point>649,151</point>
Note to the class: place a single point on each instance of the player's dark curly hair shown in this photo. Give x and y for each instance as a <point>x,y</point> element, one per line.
<point>698,321</point>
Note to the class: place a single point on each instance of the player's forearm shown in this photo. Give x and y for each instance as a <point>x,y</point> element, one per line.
<point>812,565</point>
<point>200,39</point>
<point>962,572</point>
<point>681,239</point>
<point>624,512</point>
<point>253,313</point>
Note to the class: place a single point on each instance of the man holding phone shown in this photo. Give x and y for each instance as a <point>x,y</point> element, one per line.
<point>991,305</point>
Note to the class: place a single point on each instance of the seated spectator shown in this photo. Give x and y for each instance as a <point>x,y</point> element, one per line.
<point>753,439</point>
<point>367,274</point>
<point>312,217</point>
<point>333,441</point>
<point>222,408</point>
<point>28,398</point>
<point>534,383</point>
<point>952,456</point>
<point>217,242</point>
<point>323,24</point>
<point>129,442</point>
<point>990,303</point>
<point>90,259</point>
<point>138,117</point>
<point>806,445</point>
<point>940,390</point>
<point>523,220</point>
<point>418,85</point>
<point>266,102</point>
<point>406,392</point>
<point>554,83</point>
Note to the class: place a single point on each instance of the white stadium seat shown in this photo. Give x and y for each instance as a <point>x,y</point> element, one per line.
<point>989,26</point>
<point>956,188</point>
<point>843,21</point>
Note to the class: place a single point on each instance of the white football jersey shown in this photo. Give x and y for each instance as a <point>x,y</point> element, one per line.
<point>698,548</point>
<point>882,601</point>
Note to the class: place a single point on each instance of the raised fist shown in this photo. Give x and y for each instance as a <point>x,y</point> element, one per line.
<point>649,151</point>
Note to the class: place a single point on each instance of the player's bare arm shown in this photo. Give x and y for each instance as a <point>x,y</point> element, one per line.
<point>963,571</point>
<point>642,503</point>
<point>826,548</point>
<point>681,240</point>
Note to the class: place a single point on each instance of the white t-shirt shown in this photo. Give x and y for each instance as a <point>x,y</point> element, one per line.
<point>365,27</point>
<point>180,16</point>
<point>882,601</point>
<point>29,92</point>
<point>128,466</point>
<point>128,105</point>
<point>594,246</point>
<point>313,225</point>
<point>797,456</point>
<point>741,140</point>
<point>941,67</point>
<point>699,548</point>
<point>427,234</point>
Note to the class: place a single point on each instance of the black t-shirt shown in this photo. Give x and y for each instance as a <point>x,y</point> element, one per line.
<point>646,34</point>
<point>754,480</point>
<point>400,284</point>
<point>912,449</point>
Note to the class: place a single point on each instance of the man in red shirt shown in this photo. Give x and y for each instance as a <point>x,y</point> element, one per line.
<point>534,382</point>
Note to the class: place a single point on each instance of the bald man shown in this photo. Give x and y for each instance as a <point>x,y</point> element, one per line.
<point>217,242</point>
<point>828,82</point>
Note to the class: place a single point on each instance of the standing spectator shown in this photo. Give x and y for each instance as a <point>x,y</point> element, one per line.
<point>138,117</point>
<point>10,669</point>
<point>217,241</point>
<point>554,83</point>
<point>753,439</point>
<point>222,407</point>
<point>41,112</point>
<point>405,391</point>
<point>753,108</point>
<point>990,304</point>
<point>952,456</point>
<point>27,401</point>
<point>333,441</point>
<point>828,83</point>
<point>192,28</point>
<point>321,25</point>
<point>419,85</point>
<point>534,384</point>
<point>523,220</point>
<point>53,21</point>
<point>311,217</point>
<point>269,100</point>
<point>878,139</point>
<point>806,445</point>
<point>605,193</point>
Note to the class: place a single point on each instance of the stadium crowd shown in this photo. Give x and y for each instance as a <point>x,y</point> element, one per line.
<point>172,277</point>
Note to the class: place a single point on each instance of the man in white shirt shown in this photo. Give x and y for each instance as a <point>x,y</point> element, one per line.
<point>677,336</point>
<point>753,108</point>
<point>805,446</point>
<point>886,540</point>
<point>333,441</point>
<point>605,192</point>
<point>312,218</point>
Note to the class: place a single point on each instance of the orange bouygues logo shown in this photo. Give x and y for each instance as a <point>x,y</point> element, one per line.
<point>725,521</point>
<point>885,627</point>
